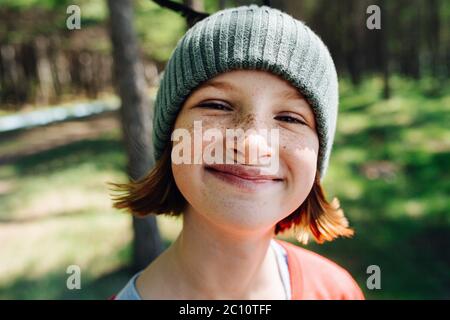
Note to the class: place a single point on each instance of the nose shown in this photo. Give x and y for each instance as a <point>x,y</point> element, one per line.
<point>252,148</point>
<point>256,149</point>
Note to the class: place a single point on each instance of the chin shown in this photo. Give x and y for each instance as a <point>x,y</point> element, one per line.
<point>242,217</point>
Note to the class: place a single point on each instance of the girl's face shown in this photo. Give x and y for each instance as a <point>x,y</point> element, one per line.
<point>249,99</point>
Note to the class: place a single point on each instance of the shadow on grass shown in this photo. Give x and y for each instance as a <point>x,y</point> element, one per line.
<point>53,286</point>
<point>103,153</point>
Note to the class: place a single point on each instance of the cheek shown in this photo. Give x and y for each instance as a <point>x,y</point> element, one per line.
<point>188,180</point>
<point>185,174</point>
<point>299,155</point>
<point>201,141</point>
<point>304,164</point>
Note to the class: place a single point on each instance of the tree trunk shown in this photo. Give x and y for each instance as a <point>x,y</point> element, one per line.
<point>294,8</point>
<point>46,85</point>
<point>383,43</point>
<point>136,121</point>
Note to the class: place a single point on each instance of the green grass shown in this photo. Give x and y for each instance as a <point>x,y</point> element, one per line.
<point>389,169</point>
<point>55,211</point>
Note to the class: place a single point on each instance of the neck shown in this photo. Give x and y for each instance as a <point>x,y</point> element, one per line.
<point>209,262</point>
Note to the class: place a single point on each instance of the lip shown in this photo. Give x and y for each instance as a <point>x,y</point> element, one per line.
<point>244,172</point>
<point>246,179</point>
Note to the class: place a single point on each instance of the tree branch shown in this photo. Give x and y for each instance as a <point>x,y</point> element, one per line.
<point>192,16</point>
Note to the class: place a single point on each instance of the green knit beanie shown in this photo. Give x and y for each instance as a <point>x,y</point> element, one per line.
<point>250,37</point>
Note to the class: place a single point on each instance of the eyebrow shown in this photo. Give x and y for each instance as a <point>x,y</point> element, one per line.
<point>287,94</point>
<point>292,95</point>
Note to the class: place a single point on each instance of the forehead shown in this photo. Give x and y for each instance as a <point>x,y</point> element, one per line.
<point>246,81</point>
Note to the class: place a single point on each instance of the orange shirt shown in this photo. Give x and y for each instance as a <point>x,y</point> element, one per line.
<point>314,277</point>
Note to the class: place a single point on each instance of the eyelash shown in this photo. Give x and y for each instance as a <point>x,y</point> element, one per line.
<point>207,104</point>
<point>293,120</point>
<point>214,105</point>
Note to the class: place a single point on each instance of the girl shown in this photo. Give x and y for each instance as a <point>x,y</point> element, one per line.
<point>250,68</point>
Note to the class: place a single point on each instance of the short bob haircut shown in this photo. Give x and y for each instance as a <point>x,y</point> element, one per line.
<point>157,193</point>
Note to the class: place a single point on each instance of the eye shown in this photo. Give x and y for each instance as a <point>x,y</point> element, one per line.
<point>214,105</point>
<point>291,119</point>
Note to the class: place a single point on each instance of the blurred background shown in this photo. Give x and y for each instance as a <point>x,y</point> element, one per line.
<point>69,96</point>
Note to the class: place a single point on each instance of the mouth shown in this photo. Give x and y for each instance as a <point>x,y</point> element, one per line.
<point>244,178</point>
